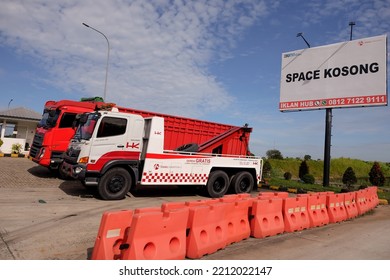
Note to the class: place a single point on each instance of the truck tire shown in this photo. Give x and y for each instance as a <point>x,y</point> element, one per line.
<point>242,182</point>
<point>218,184</point>
<point>114,184</point>
<point>61,174</point>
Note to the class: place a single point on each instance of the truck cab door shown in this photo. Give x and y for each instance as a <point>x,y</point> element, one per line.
<point>109,139</point>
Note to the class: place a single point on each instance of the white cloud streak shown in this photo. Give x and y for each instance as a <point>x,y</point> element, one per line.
<point>371,17</point>
<point>162,51</point>
<point>159,49</point>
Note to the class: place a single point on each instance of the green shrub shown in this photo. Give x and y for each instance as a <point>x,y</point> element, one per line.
<point>303,169</point>
<point>308,179</point>
<point>376,176</point>
<point>16,148</point>
<point>287,175</point>
<point>349,177</point>
<point>267,168</point>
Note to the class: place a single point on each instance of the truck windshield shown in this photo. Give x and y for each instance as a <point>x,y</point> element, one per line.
<point>49,118</point>
<point>86,127</point>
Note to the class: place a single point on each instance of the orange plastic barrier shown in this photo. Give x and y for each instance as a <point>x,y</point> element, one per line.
<point>236,217</point>
<point>147,210</point>
<point>266,217</point>
<point>171,206</point>
<point>316,208</point>
<point>268,195</point>
<point>236,214</point>
<point>234,197</point>
<point>168,206</point>
<point>367,194</point>
<point>110,236</point>
<point>372,194</point>
<point>295,214</point>
<point>362,202</point>
<point>207,229</point>
<point>350,205</point>
<point>336,208</point>
<point>324,193</point>
<point>156,235</point>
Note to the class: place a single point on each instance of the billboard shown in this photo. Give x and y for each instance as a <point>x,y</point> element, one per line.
<point>347,74</point>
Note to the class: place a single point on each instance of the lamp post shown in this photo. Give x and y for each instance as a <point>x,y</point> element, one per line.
<point>9,103</point>
<point>351,24</point>
<point>108,57</point>
<point>301,35</point>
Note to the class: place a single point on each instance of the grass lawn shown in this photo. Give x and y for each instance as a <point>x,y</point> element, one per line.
<point>383,193</point>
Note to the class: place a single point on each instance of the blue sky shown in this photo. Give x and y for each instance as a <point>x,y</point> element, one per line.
<point>212,60</point>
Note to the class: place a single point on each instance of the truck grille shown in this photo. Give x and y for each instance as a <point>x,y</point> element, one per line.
<point>71,155</point>
<point>36,145</point>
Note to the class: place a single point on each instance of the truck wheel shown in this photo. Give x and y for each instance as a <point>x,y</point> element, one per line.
<point>62,174</point>
<point>114,184</point>
<point>242,182</point>
<point>218,184</point>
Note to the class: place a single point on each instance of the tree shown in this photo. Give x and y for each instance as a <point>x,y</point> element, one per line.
<point>274,154</point>
<point>349,177</point>
<point>307,157</point>
<point>303,169</point>
<point>267,168</point>
<point>376,176</point>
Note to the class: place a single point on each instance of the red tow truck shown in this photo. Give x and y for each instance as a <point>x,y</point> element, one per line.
<point>116,151</point>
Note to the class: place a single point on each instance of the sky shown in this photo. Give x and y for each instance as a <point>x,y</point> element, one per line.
<point>212,60</point>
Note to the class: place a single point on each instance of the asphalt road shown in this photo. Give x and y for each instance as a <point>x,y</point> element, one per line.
<point>45,218</point>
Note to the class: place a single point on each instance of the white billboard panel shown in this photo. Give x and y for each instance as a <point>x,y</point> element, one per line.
<point>347,74</point>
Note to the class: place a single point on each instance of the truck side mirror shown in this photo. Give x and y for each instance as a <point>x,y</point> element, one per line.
<point>83,118</point>
<point>77,121</point>
<point>52,113</point>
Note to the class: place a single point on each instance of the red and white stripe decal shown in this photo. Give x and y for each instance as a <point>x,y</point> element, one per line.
<point>173,178</point>
<point>353,101</point>
<point>173,156</point>
<point>117,155</point>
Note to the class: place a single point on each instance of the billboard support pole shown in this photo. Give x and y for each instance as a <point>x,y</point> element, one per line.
<point>328,137</point>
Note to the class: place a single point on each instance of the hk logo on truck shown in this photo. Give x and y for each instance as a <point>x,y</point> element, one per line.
<point>132,145</point>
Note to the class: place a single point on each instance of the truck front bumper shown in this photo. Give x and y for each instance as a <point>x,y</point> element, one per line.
<point>76,171</point>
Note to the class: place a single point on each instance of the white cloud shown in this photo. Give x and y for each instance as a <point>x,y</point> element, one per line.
<point>370,17</point>
<point>159,50</point>
<point>163,52</point>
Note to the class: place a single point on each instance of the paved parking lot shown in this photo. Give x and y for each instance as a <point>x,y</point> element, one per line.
<point>42,217</point>
<point>33,177</point>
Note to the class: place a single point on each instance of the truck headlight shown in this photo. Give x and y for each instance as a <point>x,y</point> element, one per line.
<point>77,170</point>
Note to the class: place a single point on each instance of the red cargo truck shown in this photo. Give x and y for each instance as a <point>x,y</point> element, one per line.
<point>55,129</point>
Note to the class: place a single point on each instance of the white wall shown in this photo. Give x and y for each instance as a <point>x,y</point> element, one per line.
<point>24,133</point>
<point>6,148</point>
